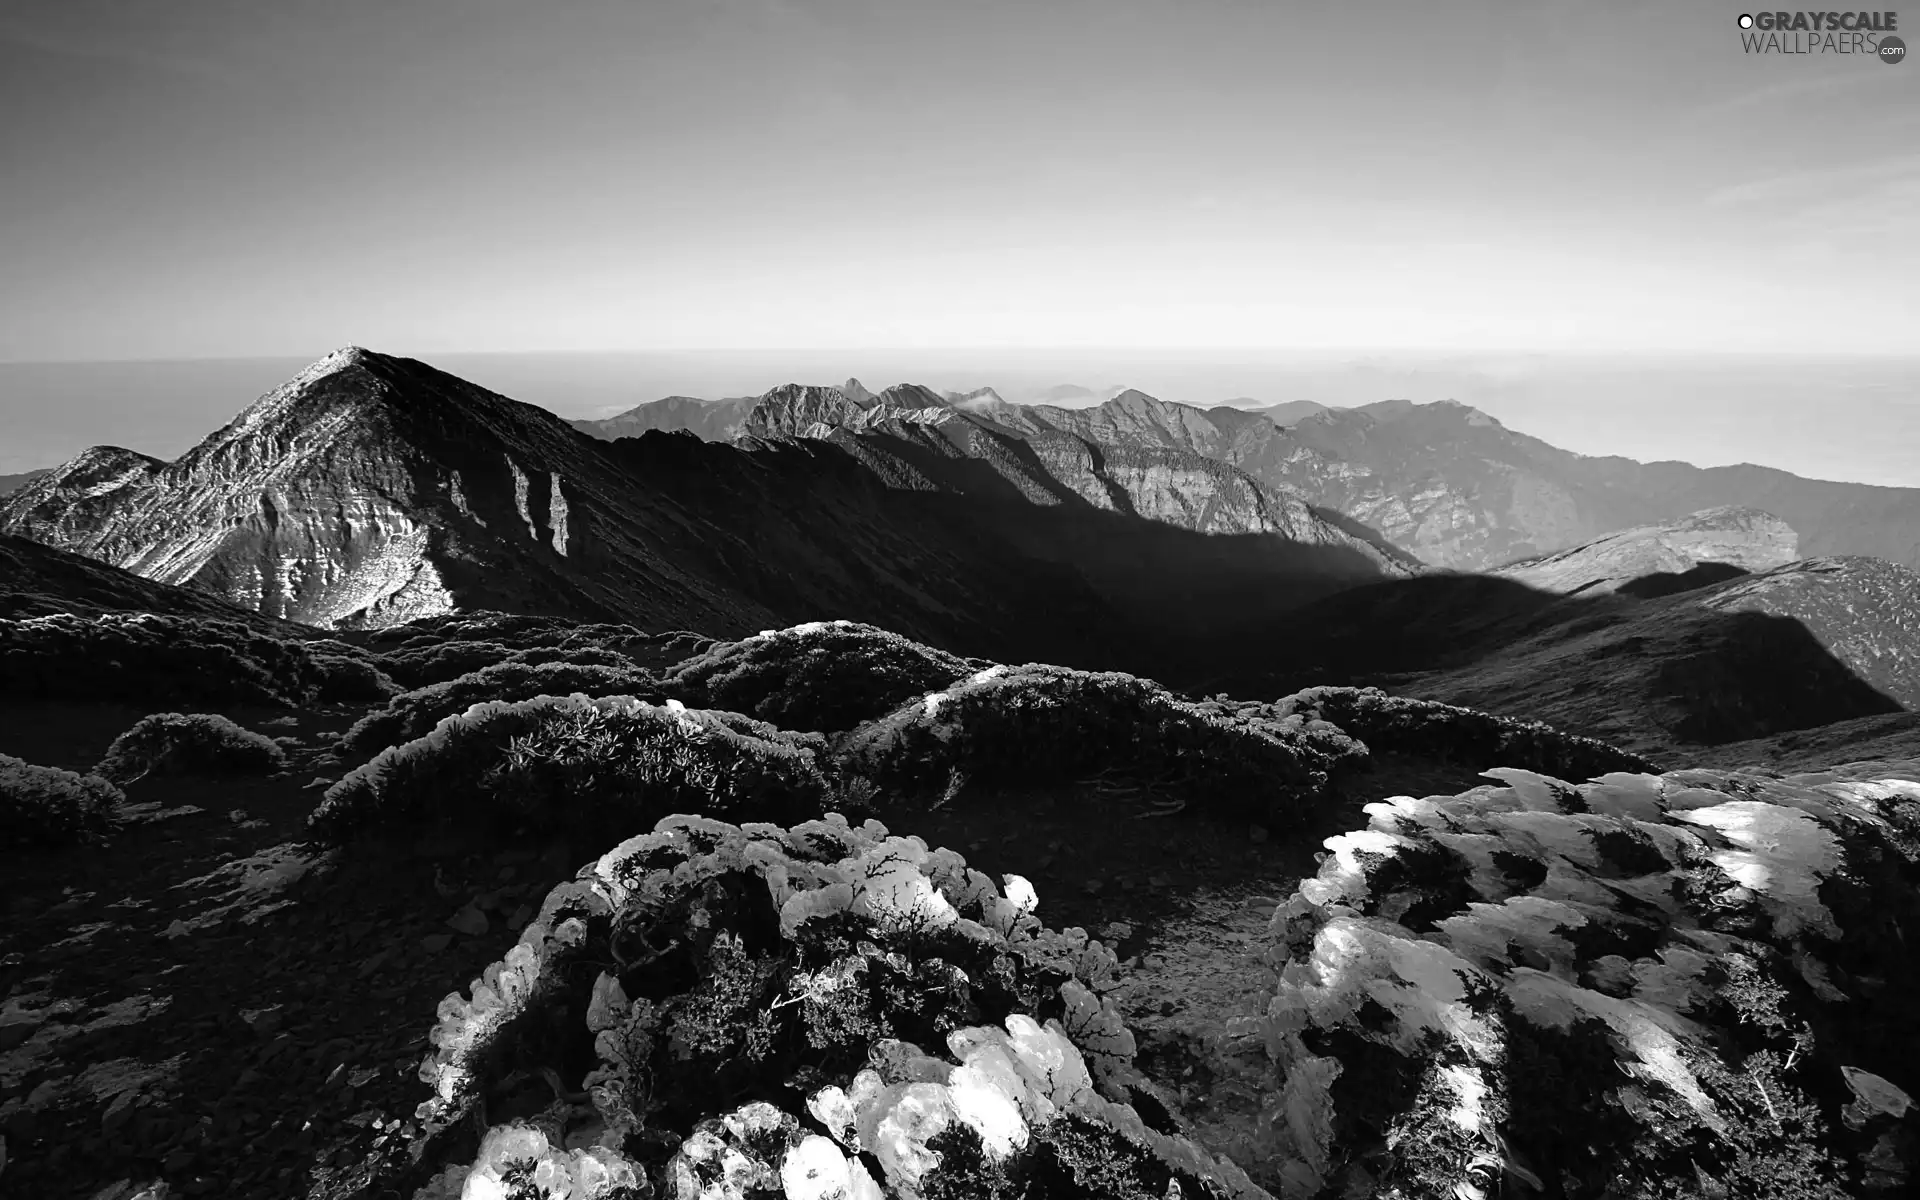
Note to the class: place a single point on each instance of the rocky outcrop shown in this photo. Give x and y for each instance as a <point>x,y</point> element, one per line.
<point>1743,538</point>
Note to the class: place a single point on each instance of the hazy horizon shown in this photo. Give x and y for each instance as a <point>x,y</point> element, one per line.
<point>1607,225</point>
<point>1852,419</point>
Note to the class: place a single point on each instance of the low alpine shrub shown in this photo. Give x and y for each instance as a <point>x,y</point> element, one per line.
<point>414,714</point>
<point>48,807</point>
<point>145,657</point>
<point>1051,724</point>
<point>1612,986</point>
<point>600,765</point>
<point>810,1012</point>
<point>1400,725</point>
<point>826,675</point>
<point>351,681</point>
<point>189,744</point>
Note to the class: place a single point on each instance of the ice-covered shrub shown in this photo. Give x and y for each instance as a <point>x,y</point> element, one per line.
<point>189,744</point>
<point>414,714</point>
<point>824,675</point>
<point>1642,986</point>
<point>602,765</point>
<point>894,1023</point>
<point>144,657</point>
<point>46,806</point>
<point>1044,724</point>
<point>1400,725</point>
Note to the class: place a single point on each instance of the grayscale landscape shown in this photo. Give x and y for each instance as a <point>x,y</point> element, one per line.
<point>825,600</point>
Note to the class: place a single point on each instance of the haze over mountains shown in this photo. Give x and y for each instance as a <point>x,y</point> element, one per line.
<point>1443,481</point>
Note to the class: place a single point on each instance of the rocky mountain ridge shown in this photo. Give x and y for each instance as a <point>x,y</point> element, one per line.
<point>918,438</point>
<point>369,490</point>
<point>1454,487</point>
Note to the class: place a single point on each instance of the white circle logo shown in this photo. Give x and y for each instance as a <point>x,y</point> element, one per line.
<point>1746,20</point>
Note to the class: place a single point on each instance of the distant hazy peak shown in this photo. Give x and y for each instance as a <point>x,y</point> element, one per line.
<point>977,396</point>
<point>857,392</point>
<point>910,395</point>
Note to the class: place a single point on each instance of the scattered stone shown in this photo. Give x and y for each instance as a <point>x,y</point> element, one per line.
<point>1257,834</point>
<point>1116,931</point>
<point>317,781</point>
<point>1093,887</point>
<point>118,1113</point>
<point>469,920</point>
<point>263,1021</point>
<point>434,943</point>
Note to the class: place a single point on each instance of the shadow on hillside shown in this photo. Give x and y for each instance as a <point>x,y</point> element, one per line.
<point>977,569</point>
<point>1672,583</point>
<point>1640,672</point>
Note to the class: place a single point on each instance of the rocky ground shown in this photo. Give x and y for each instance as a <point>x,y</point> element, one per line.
<point>209,1003</point>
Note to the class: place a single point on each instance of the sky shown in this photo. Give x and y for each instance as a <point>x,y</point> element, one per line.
<point>225,178</point>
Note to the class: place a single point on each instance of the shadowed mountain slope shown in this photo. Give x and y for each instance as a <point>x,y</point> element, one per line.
<point>370,490</point>
<point>1797,647</point>
<point>1457,489</point>
<point>37,580</point>
<point>916,439</point>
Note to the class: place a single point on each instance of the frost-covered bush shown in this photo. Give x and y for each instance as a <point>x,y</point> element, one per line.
<point>602,766</point>
<point>145,657</point>
<point>1399,725</point>
<point>1643,986</point>
<point>189,744</point>
<point>1045,724</point>
<point>46,806</point>
<point>816,1011</point>
<point>414,714</point>
<point>825,675</point>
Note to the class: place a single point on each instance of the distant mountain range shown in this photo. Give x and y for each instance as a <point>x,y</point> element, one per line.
<point>1443,481</point>
<point>369,490</point>
<point>13,483</point>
